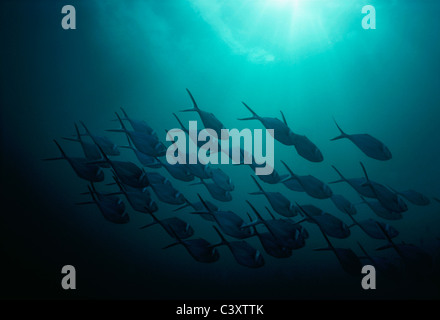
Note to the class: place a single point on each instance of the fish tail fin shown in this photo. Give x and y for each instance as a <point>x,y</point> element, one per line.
<point>223,239</point>
<point>124,113</point>
<point>364,251</point>
<point>204,203</point>
<point>302,211</point>
<point>195,106</point>
<point>270,213</point>
<point>85,128</point>
<point>148,225</point>
<point>180,123</point>
<point>63,154</point>
<point>292,175</point>
<point>340,175</point>
<point>342,135</point>
<point>124,129</point>
<point>255,210</point>
<point>254,115</point>
<point>258,185</point>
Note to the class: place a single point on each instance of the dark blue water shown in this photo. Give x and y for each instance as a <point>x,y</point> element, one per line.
<point>311,60</point>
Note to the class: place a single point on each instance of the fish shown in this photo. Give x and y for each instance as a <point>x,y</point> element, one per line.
<point>230,223</point>
<point>81,166</point>
<point>127,172</point>
<point>111,207</point>
<point>386,197</point>
<point>380,211</point>
<point>286,233</point>
<point>383,265</point>
<point>139,200</point>
<point>166,193</point>
<point>144,159</point>
<point>311,185</point>
<point>199,249</point>
<point>271,245</point>
<point>177,171</point>
<point>282,132</point>
<point>369,145</point>
<point>348,260</point>
<point>343,204</point>
<point>201,171</point>
<point>370,227</point>
<point>199,207</point>
<point>291,184</point>
<point>243,252</point>
<point>278,202</point>
<point>329,224</point>
<point>199,143</point>
<point>209,120</point>
<point>104,143</point>
<point>414,197</point>
<point>304,147</point>
<point>175,227</point>
<point>215,191</point>
<point>272,178</point>
<point>222,180</point>
<point>143,142</point>
<point>90,150</point>
<point>417,260</point>
<point>358,184</point>
<point>139,125</point>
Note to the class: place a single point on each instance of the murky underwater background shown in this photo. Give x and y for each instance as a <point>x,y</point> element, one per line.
<point>310,59</point>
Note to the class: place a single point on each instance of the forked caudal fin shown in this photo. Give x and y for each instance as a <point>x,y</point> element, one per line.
<point>195,106</point>
<point>342,135</point>
<point>254,115</point>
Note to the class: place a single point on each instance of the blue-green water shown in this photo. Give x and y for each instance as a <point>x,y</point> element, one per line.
<point>310,59</point>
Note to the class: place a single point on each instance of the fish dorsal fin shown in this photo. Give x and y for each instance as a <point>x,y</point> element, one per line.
<point>196,107</point>
<point>125,114</point>
<point>203,202</point>
<point>61,149</point>
<point>121,122</point>
<point>258,185</point>
<point>284,118</point>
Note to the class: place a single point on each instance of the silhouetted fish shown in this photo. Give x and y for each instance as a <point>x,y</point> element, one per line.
<point>278,202</point>
<point>287,233</point>
<point>304,147</point>
<point>358,184</point>
<point>329,224</point>
<point>380,211</point>
<point>282,132</point>
<point>414,197</point>
<point>383,265</point>
<point>208,119</point>
<point>200,249</point>
<point>177,171</point>
<point>215,191</point>
<point>369,145</point>
<point>81,166</point>
<point>165,192</point>
<point>370,227</point>
<point>346,257</point>
<point>139,125</point>
<point>271,244</point>
<point>175,227</point>
<point>91,151</point>
<point>222,180</point>
<point>144,159</point>
<point>143,142</point>
<point>228,221</point>
<point>416,260</point>
<point>104,143</point>
<point>311,185</point>
<point>243,252</point>
<point>343,204</point>
<point>386,197</point>
<point>111,207</point>
<point>139,200</point>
